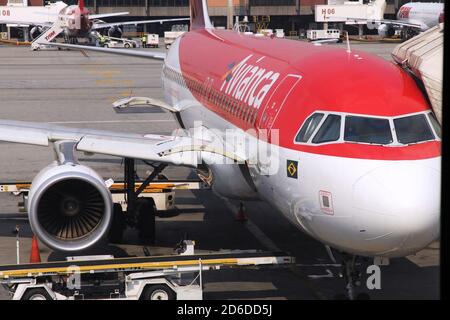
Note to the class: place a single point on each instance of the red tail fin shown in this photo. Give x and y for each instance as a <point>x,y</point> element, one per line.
<point>81,4</point>
<point>199,15</point>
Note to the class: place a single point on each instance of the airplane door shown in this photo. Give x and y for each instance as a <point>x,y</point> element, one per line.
<point>277,100</point>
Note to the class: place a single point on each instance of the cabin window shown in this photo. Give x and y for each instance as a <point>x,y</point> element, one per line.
<point>330,130</point>
<point>309,127</point>
<point>241,110</point>
<point>435,124</point>
<point>228,106</point>
<point>247,114</point>
<point>413,129</point>
<point>233,108</point>
<point>367,130</point>
<point>223,101</point>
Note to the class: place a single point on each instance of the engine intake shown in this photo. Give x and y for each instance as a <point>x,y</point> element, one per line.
<point>115,32</point>
<point>69,207</point>
<point>35,32</point>
<point>385,30</point>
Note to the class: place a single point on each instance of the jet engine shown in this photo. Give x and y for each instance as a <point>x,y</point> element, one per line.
<point>385,30</point>
<point>36,32</point>
<point>69,207</point>
<point>115,32</point>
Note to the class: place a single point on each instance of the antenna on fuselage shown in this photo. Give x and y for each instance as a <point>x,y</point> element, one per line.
<point>348,42</point>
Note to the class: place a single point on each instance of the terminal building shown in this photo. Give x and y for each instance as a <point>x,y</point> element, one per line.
<point>294,16</point>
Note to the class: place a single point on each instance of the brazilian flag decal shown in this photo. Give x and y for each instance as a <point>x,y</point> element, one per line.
<point>292,169</point>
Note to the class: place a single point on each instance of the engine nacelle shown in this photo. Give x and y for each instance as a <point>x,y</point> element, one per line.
<point>36,32</point>
<point>69,207</point>
<point>115,32</point>
<point>385,30</point>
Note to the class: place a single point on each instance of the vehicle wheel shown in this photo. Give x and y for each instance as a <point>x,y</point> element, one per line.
<point>36,294</point>
<point>127,45</point>
<point>146,212</point>
<point>105,46</point>
<point>158,292</point>
<point>118,224</point>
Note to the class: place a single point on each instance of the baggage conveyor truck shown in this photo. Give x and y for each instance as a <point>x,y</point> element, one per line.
<point>133,278</point>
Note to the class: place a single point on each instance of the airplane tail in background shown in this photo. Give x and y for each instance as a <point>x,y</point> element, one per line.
<point>199,15</point>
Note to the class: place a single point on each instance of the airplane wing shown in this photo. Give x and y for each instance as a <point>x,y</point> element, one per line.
<point>176,149</point>
<point>387,21</point>
<point>26,23</point>
<point>156,55</point>
<point>322,41</point>
<point>106,15</point>
<point>96,26</point>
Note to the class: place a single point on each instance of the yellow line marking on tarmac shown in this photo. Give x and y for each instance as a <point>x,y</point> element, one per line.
<point>114,82</point>
<point>105,73</point>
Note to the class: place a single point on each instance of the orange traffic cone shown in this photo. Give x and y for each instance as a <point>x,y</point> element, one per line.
<point>240,216</point>
<point>35,257</point>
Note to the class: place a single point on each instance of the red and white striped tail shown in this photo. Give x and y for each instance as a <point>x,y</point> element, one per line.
<point>199,15</point>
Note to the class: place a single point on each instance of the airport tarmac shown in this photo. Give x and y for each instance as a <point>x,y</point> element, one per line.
<point>66,87</point>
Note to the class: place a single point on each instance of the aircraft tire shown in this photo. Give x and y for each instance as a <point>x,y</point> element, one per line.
<point>146,212</point>
<point>118,224</point>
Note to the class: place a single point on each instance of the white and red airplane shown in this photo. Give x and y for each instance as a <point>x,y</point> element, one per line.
<point>74,21</point>
<point>354,150</point>
<point>412,18</point>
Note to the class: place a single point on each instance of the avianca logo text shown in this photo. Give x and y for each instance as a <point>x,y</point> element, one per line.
<point>249,83</point>
<point>404,12</point>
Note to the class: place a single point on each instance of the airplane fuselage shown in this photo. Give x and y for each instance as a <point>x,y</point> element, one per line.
<point>365,198</point>
<point>427,15</point>
<point>76,21</point>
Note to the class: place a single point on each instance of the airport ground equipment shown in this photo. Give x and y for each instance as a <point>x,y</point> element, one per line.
<point>331,34</point>
<point>113,42</point>
<point>423,55</point>
<point>176,31</point>
<point>279,33</point>
<point>151,41</point>
<point>133,278</point>
<point>48,35</point>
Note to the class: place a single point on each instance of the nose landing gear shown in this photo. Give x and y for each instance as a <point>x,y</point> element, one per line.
<point>351,273</point>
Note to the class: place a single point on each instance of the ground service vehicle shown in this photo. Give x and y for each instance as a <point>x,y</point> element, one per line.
<point>134,278</point>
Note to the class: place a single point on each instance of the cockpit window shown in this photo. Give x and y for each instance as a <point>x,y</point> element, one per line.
<point>367,130</point>
<point>413,129</point>
<point>330,130</point>
<point>435,124</point>
<point>309,127</point>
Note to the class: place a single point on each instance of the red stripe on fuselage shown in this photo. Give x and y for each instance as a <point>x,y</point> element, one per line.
<point>331,80</point>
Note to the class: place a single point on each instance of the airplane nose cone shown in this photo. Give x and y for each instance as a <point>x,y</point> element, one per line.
<point>397,209</point>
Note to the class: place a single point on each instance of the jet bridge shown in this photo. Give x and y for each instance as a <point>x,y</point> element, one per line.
<point>341,11</point>
<point>423,56</point>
